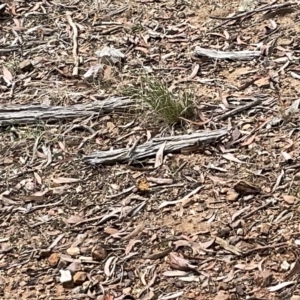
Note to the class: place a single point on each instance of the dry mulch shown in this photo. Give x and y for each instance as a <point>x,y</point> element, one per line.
<point>216,222</point>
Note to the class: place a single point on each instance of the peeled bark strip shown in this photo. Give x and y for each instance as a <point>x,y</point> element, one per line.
<point>150,148</point>
<point>29,114</point>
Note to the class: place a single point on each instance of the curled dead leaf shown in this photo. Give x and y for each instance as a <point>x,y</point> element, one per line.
<point>246,188</point>
<point>180,263</point>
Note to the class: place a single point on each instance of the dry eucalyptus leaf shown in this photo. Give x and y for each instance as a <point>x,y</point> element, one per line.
<point>62,180</point>
<point>159,158</point>
<point>280,286</point>
<point>175,273</point>
<point>74,219</point>
<point>231,157</point>
<point>7,74</point>
<point>246,267</point>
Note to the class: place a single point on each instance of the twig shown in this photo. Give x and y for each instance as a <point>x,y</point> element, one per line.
<point>44,206</point>
<point>255,210</point>
<point>75,44</point>
<point>192,193</point>
<point>36,143</point>
<point>264,248</point>
<point>248,13</point>
<point>238,110</point>
<point>121,193</point>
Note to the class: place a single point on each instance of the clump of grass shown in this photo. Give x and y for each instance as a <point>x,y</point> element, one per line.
<point>168,106</point>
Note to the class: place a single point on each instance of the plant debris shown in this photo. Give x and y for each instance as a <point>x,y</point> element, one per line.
<point>149,150</point>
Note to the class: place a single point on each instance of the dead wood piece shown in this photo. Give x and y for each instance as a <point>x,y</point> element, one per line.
<point>233,55</point>
<point>150,148</point>
<point>29,114</point>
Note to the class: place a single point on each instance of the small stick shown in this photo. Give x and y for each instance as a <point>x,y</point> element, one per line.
<point>239,109</point>
<point>75,44</point>
<point>245,14</point>
<point>249,13</point>
<point>265,247</point>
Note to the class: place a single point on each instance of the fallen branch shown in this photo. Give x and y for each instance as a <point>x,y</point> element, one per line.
<point>234,55</point>
<point>29,114</point>
<point>150,148</point>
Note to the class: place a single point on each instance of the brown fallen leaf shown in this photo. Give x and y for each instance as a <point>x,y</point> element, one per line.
<point>246,188</point>
<point>74,219</point>
<point>110,230</point>
<point>131,244</point>
<point>158,255</point>
<point>249,140</point>
<point>246,267</point>
<point>135,231</point>
<point>180,263</point>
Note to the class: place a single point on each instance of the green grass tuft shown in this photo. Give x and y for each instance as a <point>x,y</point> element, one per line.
<point>168,106</point>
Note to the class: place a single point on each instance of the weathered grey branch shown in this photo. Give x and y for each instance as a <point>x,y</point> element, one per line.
<point>233,55</point>
<point>28,114</point>
<point>150,148</point>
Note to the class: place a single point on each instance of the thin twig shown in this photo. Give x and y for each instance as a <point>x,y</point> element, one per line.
<point>239,109</point>
<point>75,44</point>
<point>264,248</point>
<point>248,13</point>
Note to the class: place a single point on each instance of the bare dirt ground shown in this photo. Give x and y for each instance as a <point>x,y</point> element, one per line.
<point>217,222</point>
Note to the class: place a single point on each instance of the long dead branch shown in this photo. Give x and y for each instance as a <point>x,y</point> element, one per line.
<point>29,114</point>
<point>150,148</point>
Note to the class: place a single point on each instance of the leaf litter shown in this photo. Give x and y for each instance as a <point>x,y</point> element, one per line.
<point>216,220</point>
